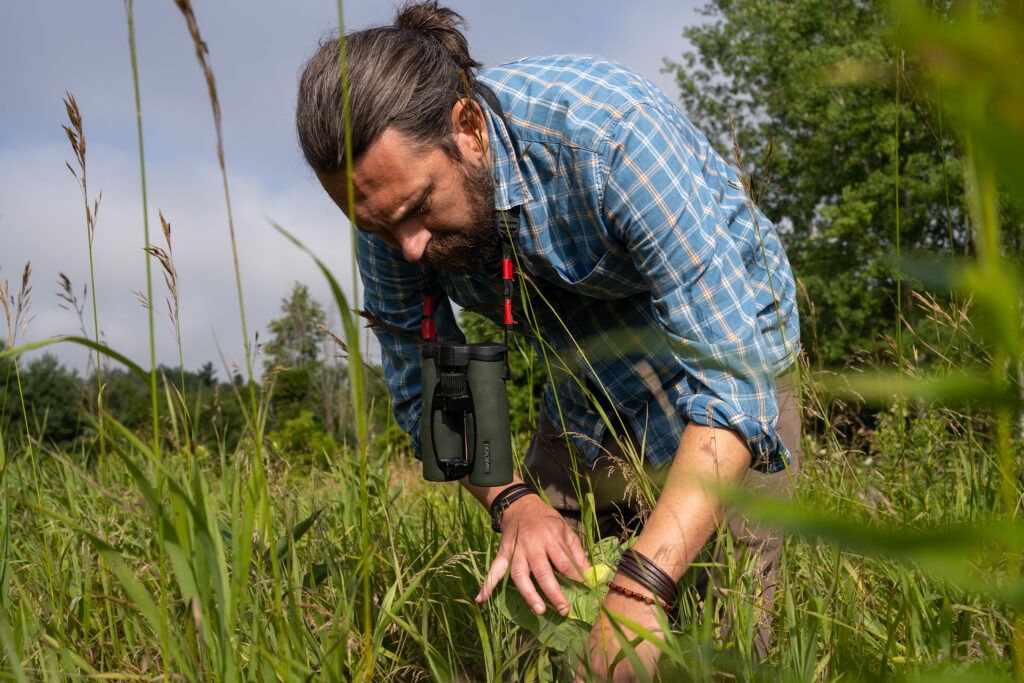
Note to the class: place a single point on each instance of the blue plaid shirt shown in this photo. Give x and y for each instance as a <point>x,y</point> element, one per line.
<point>644,275</point>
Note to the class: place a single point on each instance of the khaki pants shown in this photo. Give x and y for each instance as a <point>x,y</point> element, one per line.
<point>559,472</point>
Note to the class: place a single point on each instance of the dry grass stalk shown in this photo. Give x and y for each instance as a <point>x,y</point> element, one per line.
<point>755,192</point>
<point>166,260</point>
<point>141,298</point>
<point>76,136</point>
<point>337,340</point>
<point>375,323</point>
<point>201,51</point>
<point>185,6</point>
<point>71,302</point>
<point>5,299</point>
<point>17,308</point>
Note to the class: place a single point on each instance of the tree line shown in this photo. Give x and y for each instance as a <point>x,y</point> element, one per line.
<point>53,404</point>
<point>304,392</point>
<point>303,389</point>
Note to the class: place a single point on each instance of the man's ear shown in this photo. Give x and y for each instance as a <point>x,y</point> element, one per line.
<point>470,130</point>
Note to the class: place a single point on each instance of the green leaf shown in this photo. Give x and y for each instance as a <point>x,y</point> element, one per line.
<point>105,350</point>
<point>551,629</point>
<point>568,633</point>
<point>280,549</point>
<point>981,558</point>
<point>955,388</point>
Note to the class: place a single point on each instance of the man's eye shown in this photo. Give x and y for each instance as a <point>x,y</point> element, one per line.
<point>422,208</point>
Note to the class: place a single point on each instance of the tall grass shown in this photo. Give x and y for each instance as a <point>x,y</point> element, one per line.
<point>238,567</point>
<point>76,136</point>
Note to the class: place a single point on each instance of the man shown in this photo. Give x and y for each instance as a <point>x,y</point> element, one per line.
<point>660,297</point>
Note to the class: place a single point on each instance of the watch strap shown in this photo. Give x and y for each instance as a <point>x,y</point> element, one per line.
<point>501,502</point>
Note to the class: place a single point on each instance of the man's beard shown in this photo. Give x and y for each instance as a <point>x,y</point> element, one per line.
<point>467,250</point>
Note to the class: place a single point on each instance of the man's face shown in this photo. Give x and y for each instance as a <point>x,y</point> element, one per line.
<point>434,208</point>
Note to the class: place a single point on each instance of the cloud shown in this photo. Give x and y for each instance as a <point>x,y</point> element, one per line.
<point>256,51</point>
<point>47,227</point>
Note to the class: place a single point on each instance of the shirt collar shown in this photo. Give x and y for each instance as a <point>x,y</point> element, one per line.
<point>511,188</point>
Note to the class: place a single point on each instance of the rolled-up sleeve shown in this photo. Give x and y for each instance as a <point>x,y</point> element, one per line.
<point>665,203</point>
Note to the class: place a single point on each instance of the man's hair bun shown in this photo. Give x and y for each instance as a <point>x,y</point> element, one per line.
<point>441,23</point>
<point>407,76</point>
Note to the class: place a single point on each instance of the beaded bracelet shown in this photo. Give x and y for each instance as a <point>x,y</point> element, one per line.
<point>637,595</point>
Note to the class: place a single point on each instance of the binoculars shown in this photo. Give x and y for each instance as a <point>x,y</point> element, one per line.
<point>465,424</point>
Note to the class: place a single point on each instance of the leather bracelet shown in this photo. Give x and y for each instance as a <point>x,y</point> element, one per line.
<point>652,573</point>
<point>637,595</point>
<point>508,496</point>
<point>504,494</point>
<point>644,571</point>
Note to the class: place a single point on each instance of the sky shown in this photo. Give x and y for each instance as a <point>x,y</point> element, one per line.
<point>256,50</point>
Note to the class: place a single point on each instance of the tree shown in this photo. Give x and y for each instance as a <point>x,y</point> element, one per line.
<point>822,80</point>
<point>207,375</point>
<point>297,334</point>
<point>293,356</point>
<point>53,401</point>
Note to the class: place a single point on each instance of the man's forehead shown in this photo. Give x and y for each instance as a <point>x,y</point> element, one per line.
<point>389,179</point>
<point>376,203</point>
<point>363,202</point>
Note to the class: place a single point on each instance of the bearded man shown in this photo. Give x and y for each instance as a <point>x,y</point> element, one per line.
<point>662,296</point>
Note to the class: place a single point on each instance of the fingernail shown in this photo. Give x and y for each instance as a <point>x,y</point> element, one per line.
<point>563,610</point>
<point>538,607</point>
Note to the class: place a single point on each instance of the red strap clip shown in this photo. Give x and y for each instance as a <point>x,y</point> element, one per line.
<point>427,323</point>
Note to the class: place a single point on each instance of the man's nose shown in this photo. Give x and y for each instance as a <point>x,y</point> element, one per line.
<point>412,238</point>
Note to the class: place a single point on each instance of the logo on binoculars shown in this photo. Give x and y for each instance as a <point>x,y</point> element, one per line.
<point>487,457</point>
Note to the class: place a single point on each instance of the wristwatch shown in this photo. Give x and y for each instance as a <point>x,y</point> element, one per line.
<point>503,500</point>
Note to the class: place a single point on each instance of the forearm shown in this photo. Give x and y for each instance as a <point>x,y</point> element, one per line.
<point>682,521</point>
<point>688,508</point>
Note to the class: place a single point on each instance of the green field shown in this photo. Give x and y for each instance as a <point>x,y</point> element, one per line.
<point>159,549</point>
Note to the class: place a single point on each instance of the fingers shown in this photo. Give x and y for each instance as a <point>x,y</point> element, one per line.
<point>520,575</point>
<point>532,551</point>
<point>535,564</point>
<point>496,573</point>
<point>541,567</point>
<point>572,561</point>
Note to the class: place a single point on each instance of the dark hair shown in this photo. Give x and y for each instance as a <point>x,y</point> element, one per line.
<point>404,76</point>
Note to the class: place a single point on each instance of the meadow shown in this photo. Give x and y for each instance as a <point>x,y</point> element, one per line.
<point>140,555</point>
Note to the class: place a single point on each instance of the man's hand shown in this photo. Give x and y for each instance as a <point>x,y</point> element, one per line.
<point>535,538</point>
<point>604,644</point>
<point>680,524</point>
